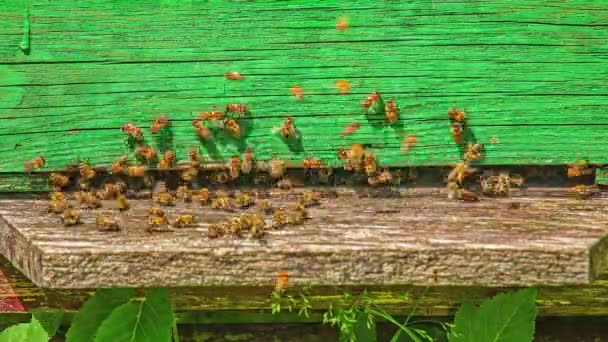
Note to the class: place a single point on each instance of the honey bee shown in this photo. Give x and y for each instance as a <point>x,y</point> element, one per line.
<point>312,163</point>
<point>159,123</point>
<point>369,164</point>
<point>184,193</point>
<point>457,115</point>
<point>35,163</point>
<point>107,224</point>
<point>343,86</point>
<point>373,104</point>
<point>247,164</point>
<point>238,109</point>
<point>580,168</point>
<point>136,171</point>
<point>235,226</point>
<point>244,200</point>
<point>216,230</point>
<point>310,198</point>
<point>220,177</point>
<point>457,132</point>
<point>280,218</point>
<point>88,200</point>
<point>123,203</point>
<point>408,142</point>
<point>70,216</point>
<point>86,172</point>
<point>232,127</point>
<point>288,129</point>
<point>145,153</point>
<point>156,223</point>
<point>155,211</point>
<point>58,196</point>
<point>132,130</point>
<point>517,180</point>
<point>284,184</point>
<point>391,111</point>
<point>57,206</point>
<point>203,131</point>
<point>385,177</point>
<point>460,171</point>
<point>234,76</point>
<point>257,227</point>
<point>297,92</point>
<point>164,198</point>
<point>265,206</point>
<point>585,191</point>
<point>183,221</point>
<point>168,161</point>
<point>223,203</point>
<point>108,192</point>
<point>203,196</point>
<point>58,181</point>
<point>189,174</point>
<point>195,158</point>
<point>342,24</point>
<point>357,152</point>
<point>119,165</point>
<point>473,152</point>
<point>281,282</point>
<point>211,116</point>
<point>234,167</point>
<point>297,215</point>
<point>277,168</point>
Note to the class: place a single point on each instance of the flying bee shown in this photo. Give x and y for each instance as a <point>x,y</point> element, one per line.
<point>277,168</point>
<point>70,216</point>
<point>136,171</point>
<point>310,198</point>
<point>234,76</point>
<point>279,218</point>
<point>35,163</point>
<point>164,198</point>
<point>247,164</point>
<point>288,129</point>
<point>86,172</point>
<point>232,127</point>
<point>168,161</point>
<point>159,123</point>
<point>58,181</point>
<point>195,157</point>
<point>183,221</point>
<point>216,230</point>
<point>343,86</point>
<point>585,191</point>
<point>88,200</point>
<point>284,184</point>
<point>203,196</point>
<point>184,193</point>
<point>237,109</point>
<point>460,171</point>
<point>223,203</point>
<point>297,92</point>
<point>457,115</point>
<point>203,131</point>
<point>370,103</point>
<point>120,164</point>
<point>350,129</point>
<point>107,224</point>
<point>211,116</point>
<point>408,142</point>
<point>265,206</point>
<point>457,132</point>
<point>234,167</point>
<point>369,164</point>
<point>244,200</point>
<point>145,153</point>
<point>473,152</point>
<point>132,130</point>
<point>312,163</point>
<point>122,202</point>
<point>391,111</point>
<point>108,192</point>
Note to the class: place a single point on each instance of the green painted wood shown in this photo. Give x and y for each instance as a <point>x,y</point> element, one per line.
<point>531,75</point>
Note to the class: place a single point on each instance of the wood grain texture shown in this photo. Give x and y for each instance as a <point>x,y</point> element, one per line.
<point>425,240</point>
<point>531,75</point>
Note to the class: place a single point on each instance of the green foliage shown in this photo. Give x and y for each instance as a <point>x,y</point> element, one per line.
<point>281,299</point>
<point>50,321</point>
<point>95,311</point>
<point>143,320</point>
<point>164,139</point>
<point>25,332</point>
<point>508,317</point>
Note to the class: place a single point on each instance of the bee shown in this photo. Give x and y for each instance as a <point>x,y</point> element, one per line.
<point>297,215</point>
<point>265,206</point>
<point>350,129</point>
<point>119,165</point>
<point>385,177</point>
<point>277,168</point>
<point>297,92</point>
<point>235,226</point>
<point>155,211</point>
<point>579,168</point>
<point>310,198</point>
<point>107,224</point>
<point>234,76</point>
<point>288,129</point>
<point>357,152</point>
<point>517,180</point>
<point>457,132</point>
<point>211,116</point>
<point>257,227</point>
<point>216,230</point>
<point>203,196</point>
<point>132,130</point>
<point>156,223</point>
<point>35,163</point>
<point>232,127</point>
<point>108,192</point>
<point>457,115</point>
<point>223,203</point>
<point>343,154</point>
<point>234,167</point>
<point>184,193</point>
<point>391,111</point>
<point>343,86</point>
<point>370,104</point>
<point>247,164</point>
<point>88,200</point>
<point>408,142</point>
<point>460,171</point>
<point>182,221</point>
<point>342,24</point>
<point>57,206</point>
<point>58,181</point>
<point>312,163</point>
<point>203,131</point>
<point>244,200</point>
<point>58,196</point>
<point>503,184</point>
<point>473,152</point>
<point>369,164</point>
<point>585,191</point>
<point>70,216</point>
<point>279,218</point>
<point>145,153</point>
<point>238,109</point>
<point>195,158</point>
<point>86,172</point>
<point>123,203</point>
<point>220,177</point>
<point>164,198</point>
<point>189,174</point>
<point>284,184</point>
<point>168,160</point>
<point>159,123</point>
<point>136,171</point>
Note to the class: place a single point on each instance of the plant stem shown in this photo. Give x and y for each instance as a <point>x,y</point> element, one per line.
<point>174,331</point>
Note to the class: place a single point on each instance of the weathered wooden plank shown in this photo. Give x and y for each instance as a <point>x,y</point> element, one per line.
<point>523,70</point>
<point>428,240</point>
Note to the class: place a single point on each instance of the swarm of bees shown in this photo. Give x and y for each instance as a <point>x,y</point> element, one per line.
<point>252,225</point>
<point>499,185</point>
<point>108,224</point>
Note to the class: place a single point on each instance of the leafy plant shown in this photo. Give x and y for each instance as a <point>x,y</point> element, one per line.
<point>50,321</point>
<point>25,332</point>
<point>299,302</point>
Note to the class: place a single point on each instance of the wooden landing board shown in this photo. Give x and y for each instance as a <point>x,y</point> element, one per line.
<point>424,240</point>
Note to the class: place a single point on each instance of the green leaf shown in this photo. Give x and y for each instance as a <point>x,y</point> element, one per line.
<point>150,319</point>
<point>364,331</point>
<point>25,332</point>
<point>94,311</point>
<point>508,317</point>
<point>50,321</point>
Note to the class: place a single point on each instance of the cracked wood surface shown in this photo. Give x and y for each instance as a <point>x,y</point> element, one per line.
<point>530,74</point>
<point>424,240</point>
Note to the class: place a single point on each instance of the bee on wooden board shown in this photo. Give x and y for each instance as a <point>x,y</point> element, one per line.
<point>211,116</point>
<point>280,218</point>
<point>168,161</point>
<point>58,181</point>
<point>235,226</point>
<point>232,127</point>
<point>234,76</point>
<point>216,230</point>
<point>312,163</point>
<point>35,163</point>
<point>88,200</point>
<point>108,192</point>
<point>297,215</point>
<point>277,168</point>
<point>310,198</point>
<point>107,224</point>
<point>184,193</point>
<point>473,152</point>
<point>457,133</point>
<point>122,202</point>
<point>282,282</point>
<point>265,206</point>
<point>237,109</point>
<point>119,166</point>
<point>247,164</point>
<point>408,142</point>
<point>284,184</point>
<point>145,153</point>
<point>70,216</point>
<point>391,111</point>
<point>202,196</point>
<point>58,196</point>
<point>137,171</point>
<point>159,123</point>
<point>183,221</point>
<point>86,172</point>
<point>223,203</point>
<point>385,177</point>
<point>288,129</point>
<point>257,226</point>
<point>157,219</point>
<point>164,198</point>
<point>203,131</point>
<point>585,191</point>
<point>132,130</point>
<point>57,206</point>
<point>457,115</point>
<point>369,164</point>
<point>244,200</point>
<point>195,158</point>
<point>372,104</point>
<point>234,167</point>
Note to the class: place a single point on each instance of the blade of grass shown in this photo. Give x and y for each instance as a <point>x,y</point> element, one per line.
<point>414,307</point>
<point>381,313</point>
